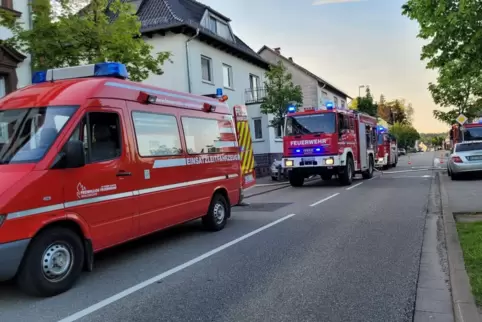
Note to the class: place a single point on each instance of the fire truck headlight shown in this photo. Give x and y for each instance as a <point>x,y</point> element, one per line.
<point>329,161</point>
<point>288,163</point>
<point>2,219</point>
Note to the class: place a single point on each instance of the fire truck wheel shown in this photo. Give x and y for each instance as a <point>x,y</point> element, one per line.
<point>346,178</point>
<point>52,264</point>
<point>296,180</point>
<point>218,213</point>
<point>368,174</point>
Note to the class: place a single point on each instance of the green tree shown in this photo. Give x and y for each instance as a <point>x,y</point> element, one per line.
<point>67,38</point>
<point>366,104</point>
<point>405,134</point>
<point>280,93</point>
<point>454,48</point>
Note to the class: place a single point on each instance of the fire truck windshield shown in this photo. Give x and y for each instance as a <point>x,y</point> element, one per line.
<point>310,124</point>
<point>473,133</point>
<point>26,134</point>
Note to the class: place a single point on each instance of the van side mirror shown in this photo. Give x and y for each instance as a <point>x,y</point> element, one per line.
<point>74,154</point>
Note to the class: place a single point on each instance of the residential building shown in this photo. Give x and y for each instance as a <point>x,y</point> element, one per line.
<point>206,54</point>
<point>316,90</point>
<point>15,67</point>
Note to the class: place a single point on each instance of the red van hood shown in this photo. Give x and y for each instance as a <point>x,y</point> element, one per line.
<point>309,144</point>
<point>10,174</point>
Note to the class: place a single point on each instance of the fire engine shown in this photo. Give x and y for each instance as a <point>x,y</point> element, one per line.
<point>468,132</point>
<point>387,150</point>
<point>328,142</point>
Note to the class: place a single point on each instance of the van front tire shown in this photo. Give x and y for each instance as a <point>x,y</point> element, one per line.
<point>218,213</point>
<point>52,264</point>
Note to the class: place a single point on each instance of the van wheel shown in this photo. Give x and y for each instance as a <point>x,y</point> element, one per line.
<point>52,264</point>
<point>346,178</point>
<point>218,213</point>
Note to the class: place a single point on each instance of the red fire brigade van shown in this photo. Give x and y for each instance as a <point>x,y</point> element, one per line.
<point>89,160</point>
<point>328,142</point>
<point>387,152</point>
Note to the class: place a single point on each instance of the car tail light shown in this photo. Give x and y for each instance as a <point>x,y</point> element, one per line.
<point>457,159</point>
<point>2,219</point>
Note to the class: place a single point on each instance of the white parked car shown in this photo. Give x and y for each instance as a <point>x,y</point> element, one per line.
<point>466,157</point>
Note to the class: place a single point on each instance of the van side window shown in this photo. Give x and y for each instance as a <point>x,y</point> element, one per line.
<point>203,136</point>
<point>100,132</point>
<point>156,134</point>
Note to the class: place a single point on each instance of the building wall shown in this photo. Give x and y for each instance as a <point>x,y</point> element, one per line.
<point>24,71</point>
<point>175,73</point>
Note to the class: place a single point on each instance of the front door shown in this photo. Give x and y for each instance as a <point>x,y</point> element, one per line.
<point>102,192</point>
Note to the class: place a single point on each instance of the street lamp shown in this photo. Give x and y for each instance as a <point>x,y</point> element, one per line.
<point>359,89</point>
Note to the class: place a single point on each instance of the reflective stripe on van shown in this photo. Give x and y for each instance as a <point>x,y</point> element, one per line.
<point>71,204</point>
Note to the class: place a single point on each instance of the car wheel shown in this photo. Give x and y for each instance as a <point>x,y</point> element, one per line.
<point>218,213</point>
<point>52,264</point>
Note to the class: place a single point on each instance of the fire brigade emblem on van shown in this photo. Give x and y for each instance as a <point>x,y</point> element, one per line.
<point>309,142</point>
<point>83,192</point>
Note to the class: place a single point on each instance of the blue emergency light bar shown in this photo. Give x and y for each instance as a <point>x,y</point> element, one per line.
<point>115,70</point>
<point>381,129</point>
<point>329,106</point>
<point>291,109</point>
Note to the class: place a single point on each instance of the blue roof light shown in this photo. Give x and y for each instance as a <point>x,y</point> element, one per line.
<point>117,70</point>
<point>329,106</point>
<point>219,92</point>
<point>39,77</point>
<point>291,109</point>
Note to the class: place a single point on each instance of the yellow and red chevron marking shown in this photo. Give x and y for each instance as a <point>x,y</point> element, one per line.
<point>245,146</point>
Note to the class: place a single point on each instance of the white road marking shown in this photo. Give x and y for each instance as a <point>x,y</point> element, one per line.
<point>135,288</point>
<point>271,184</point>
<point>349,188</point>
<point>323,200</point>
<point>402,177</point>
<point>403,171</point>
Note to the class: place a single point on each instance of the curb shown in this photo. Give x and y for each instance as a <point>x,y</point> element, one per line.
<point>463,301</point>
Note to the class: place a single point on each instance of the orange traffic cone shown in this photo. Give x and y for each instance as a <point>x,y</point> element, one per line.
<point>409,160</point>
<point>441,158</point>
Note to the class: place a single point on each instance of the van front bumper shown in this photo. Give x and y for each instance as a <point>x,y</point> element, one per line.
<point>11,255</point>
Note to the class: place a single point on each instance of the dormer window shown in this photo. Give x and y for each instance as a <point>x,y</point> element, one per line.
<point>219,27</point>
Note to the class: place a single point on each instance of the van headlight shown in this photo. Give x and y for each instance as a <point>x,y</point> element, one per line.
<point>329,161</point>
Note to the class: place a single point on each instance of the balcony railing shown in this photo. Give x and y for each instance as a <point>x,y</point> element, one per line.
<point>254,95</point>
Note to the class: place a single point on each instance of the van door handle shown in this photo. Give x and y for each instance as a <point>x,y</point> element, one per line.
<point>123,173</point>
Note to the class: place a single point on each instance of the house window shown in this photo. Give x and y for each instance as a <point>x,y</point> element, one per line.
<point>206,66</point>
<point>227,76</point>
<point>258,130</point>
<point>335,101</point>
<point>278,131</point>
<point>343,104</point>
<point>324,97</point>
<point>254,86</point>
<point>3,86</point>
<point>219,27</point>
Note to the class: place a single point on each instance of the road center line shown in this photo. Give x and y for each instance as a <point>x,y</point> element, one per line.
<point>114,298</point>
<point>349,188</point>
<point>323,200</point>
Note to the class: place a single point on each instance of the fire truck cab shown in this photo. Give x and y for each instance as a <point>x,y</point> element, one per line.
<point>328,142</point>
<point>468,132</point>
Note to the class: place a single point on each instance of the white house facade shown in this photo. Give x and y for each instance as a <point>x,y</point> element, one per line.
<point>15,67</point>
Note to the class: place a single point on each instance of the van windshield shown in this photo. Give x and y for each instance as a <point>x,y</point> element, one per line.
<point>26,134</point>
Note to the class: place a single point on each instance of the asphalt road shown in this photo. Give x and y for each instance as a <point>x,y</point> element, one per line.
<point>317,253</point>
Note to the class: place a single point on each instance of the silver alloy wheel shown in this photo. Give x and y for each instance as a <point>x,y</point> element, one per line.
<point>57,261</point>
<point>219,213</point>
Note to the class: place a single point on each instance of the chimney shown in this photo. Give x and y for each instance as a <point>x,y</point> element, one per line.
<point>290,59</point>
<point>277,50</point>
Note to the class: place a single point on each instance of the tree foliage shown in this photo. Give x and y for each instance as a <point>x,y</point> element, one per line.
<point>454,48</point>
<point>366,104</point>
<point>405,134</point>
<point>280,93</point>
<point>64,37</point>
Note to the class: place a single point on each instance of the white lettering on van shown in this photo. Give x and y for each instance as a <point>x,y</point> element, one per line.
<point>308,142</point>
<point>203,159</point>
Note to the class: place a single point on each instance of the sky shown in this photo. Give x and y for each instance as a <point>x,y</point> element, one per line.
<point>348,43</point>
